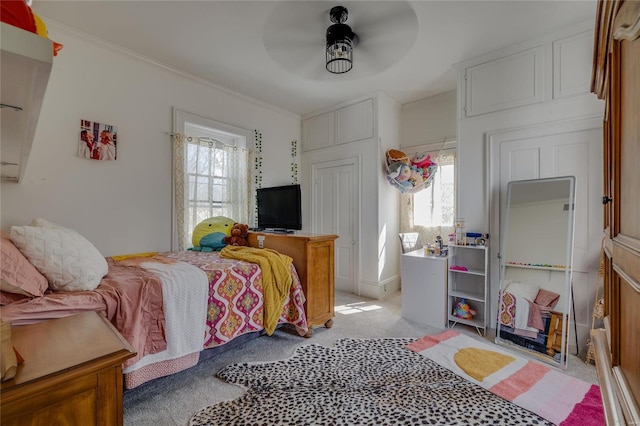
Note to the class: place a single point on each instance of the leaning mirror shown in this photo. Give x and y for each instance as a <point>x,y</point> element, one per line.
<point>535,268</point>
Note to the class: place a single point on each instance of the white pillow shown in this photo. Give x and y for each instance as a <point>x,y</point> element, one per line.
<point>528,291</point>
<point>68,260</point>
<point>46,224</point>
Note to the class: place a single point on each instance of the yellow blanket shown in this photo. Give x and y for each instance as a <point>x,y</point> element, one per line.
<point>276,278</point>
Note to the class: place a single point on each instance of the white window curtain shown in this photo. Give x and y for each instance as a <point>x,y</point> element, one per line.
<point>430,212</point>
<point>211,179</point>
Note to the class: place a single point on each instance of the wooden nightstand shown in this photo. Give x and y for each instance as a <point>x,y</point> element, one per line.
<point>71,375</point>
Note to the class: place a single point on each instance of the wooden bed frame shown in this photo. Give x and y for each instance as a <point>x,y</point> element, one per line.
<point>616,79</point>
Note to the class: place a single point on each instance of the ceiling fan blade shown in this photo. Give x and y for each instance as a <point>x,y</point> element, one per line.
<point>294,35</point>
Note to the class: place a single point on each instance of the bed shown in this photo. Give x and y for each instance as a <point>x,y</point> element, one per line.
<point>525,313</point>
<point>170,306</point>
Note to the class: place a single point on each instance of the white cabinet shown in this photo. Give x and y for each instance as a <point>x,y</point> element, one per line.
<point>424,289</point>
<point>354,122</point>
<point>468,281</point>
<point>317,132</point>
<point>548,68</point>
<point>570,54</point>
<point>507,82</point>
<point>25,66</point>
<point>350,123</point>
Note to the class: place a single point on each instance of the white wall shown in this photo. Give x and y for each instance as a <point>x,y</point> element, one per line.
<point>389,118</point>
<point>553,106</point>
<point>429,120</point>
<point>124,206</point>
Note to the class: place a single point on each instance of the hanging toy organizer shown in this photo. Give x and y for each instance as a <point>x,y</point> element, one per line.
<point>410,174</point>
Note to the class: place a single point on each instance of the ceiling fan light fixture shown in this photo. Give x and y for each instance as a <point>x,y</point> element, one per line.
<point>340,42</point>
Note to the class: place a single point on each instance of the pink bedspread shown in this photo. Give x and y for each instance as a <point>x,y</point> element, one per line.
<point>133,298</point>
<point>129,296</point>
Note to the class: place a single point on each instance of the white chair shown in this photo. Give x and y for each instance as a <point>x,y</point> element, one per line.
<point>410,241</point>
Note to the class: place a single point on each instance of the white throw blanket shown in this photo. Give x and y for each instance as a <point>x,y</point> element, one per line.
<point>184,291</point>
<point>522,314</point>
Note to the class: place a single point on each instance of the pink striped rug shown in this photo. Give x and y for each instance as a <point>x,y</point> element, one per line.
<point>543,390</point>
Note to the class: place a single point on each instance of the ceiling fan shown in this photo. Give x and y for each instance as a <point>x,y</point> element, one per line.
<point>295,36</point>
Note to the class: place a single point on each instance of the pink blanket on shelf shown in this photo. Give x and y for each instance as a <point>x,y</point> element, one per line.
<point>551,394</point>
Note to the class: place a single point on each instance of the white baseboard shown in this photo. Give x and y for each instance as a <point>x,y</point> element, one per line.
<point>379,290</point>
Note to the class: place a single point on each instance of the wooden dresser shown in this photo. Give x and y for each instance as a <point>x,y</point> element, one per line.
<point>71,375</point>
<point>313,257</point>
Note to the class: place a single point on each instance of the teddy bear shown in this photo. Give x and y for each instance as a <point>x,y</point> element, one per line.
<point>239,233</point>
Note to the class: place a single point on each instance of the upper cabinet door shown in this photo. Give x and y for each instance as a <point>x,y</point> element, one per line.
<point>508,82</point>
<point>317,132</point>
<point>350,123</point>
<point>571,57</point>
<point>355,122</point>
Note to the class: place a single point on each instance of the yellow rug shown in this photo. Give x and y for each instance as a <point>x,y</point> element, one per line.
<point>480,363</point>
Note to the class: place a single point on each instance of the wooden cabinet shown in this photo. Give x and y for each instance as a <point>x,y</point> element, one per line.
<point>616,67</point>
<point>313,257</point>
<point>468,281</point>
<point>71,375</point>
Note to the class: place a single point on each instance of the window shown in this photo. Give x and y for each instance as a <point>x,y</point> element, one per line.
<point>431,211</point>
<point>211,174</point>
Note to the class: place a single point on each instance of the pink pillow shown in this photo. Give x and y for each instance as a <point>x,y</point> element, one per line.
<point>18,275</point>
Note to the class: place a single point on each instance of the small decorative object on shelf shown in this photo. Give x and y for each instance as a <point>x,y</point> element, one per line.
<point>461,236</point>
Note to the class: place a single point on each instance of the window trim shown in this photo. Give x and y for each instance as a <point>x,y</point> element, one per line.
<point>234,135</point>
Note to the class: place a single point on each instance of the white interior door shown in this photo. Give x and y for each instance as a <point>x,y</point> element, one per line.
<point>553,151</point>
<point>334,210</point>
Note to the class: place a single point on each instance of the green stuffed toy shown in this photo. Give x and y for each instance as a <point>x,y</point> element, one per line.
<point>209,234</point>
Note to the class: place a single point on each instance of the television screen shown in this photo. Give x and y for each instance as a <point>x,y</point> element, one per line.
<point>279,207</point>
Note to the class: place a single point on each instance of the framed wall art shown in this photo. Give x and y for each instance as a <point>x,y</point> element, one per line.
<point>97,141</point>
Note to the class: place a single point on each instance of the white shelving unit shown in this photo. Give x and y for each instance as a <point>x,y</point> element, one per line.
<point>470,285</point>
<point>26,60</point>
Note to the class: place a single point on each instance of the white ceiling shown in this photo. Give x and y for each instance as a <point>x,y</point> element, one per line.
<point>273,51</point>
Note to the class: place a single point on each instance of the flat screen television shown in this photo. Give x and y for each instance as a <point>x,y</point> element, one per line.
<point>279,207</point>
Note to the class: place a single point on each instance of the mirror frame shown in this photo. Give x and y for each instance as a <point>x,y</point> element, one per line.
<point>567,295</point>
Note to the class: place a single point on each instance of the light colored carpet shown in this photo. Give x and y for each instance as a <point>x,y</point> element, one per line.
<point>174,399</point>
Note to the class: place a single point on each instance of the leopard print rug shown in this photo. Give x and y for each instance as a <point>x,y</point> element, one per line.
<point>358,382</point>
